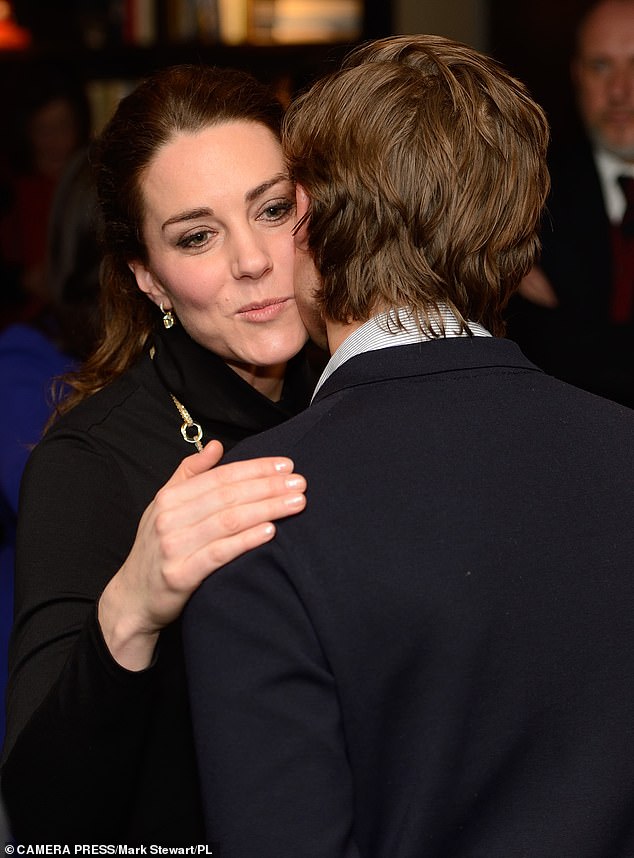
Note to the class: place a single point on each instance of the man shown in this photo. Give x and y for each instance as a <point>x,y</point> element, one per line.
<point>434,658</point>
<point>583,331</point>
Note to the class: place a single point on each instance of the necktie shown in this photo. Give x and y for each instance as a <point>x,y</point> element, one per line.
<point>622,298</point>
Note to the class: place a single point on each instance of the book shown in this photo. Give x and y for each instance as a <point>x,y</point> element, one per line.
<point>306,21</point>
<point>233,21</point>
<point>140,22</point>
<point>103,97</point>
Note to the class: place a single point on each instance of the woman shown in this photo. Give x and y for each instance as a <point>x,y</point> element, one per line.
<point>201,338</point>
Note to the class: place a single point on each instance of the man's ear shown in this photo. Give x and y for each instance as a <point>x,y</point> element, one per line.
<point>303,214</point>
<point>148,283</point>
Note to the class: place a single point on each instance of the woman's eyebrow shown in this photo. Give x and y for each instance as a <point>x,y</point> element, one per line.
<point>252,195</point>
<point>189,214</point>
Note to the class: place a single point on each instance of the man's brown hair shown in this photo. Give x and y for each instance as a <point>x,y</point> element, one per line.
<point>424,162</point>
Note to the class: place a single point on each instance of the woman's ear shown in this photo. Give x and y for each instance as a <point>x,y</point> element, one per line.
<point>148,283</point>
<point>302,204</point>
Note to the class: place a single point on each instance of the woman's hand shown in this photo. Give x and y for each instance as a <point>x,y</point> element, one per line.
<point>202,518</point>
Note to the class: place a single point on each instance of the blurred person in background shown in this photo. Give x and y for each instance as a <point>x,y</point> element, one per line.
<point>576,314</point>
<point>52,124</point>
<point>34,354</point>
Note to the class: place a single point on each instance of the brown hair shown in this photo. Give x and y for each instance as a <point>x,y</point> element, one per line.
<point>424,162</point>
<point>185,98</point>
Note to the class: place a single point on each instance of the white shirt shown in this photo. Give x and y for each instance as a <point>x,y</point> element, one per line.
<point>381,332</point>
<point>609,168</point>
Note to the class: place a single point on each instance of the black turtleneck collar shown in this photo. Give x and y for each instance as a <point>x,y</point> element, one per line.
<point>224,404</point>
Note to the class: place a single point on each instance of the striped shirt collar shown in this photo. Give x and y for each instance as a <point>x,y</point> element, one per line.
<point>381,332</point>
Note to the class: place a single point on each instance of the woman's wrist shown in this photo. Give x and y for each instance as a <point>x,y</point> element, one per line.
<point>130,645</point>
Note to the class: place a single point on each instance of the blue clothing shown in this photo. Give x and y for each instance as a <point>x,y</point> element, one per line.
<point>28,363</point>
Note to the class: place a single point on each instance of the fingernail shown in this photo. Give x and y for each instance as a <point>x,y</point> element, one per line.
<point>285,465</point>
<point>296,500</point>
<point>295,482</point>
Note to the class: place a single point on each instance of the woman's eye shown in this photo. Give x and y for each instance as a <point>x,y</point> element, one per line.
<point>195,239</point>
<point>278,211</point>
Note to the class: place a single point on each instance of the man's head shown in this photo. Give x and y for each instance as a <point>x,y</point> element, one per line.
<point>424,165</point>
<point>603,74</point>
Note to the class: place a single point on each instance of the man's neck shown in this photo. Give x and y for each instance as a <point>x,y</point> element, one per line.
<point>337,332</point>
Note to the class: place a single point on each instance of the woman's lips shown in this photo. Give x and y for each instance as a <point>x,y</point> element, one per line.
<point>263,311</point>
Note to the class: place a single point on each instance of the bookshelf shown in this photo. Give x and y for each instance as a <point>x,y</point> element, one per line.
<point>288,68</point>
<point>111,44</point>
<point>143,22</point>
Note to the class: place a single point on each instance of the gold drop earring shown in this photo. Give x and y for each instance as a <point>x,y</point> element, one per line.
<point>168,318</point>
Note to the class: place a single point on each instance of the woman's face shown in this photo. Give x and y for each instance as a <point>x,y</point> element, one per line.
<point>219,214</point>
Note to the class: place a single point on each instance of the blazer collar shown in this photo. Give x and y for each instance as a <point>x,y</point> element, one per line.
<point>426,358</point>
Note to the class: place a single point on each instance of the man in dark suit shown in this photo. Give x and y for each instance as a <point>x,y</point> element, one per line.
<point>576,318</point>
<point>434,659</point>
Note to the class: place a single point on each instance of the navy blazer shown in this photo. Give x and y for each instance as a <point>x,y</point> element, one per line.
<point>435,658</point>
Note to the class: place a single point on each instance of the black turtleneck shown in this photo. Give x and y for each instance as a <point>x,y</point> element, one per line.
<point>96,753</point>
<point>217,397</point>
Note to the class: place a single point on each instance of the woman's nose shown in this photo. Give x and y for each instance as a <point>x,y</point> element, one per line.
<point>250,256</point>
